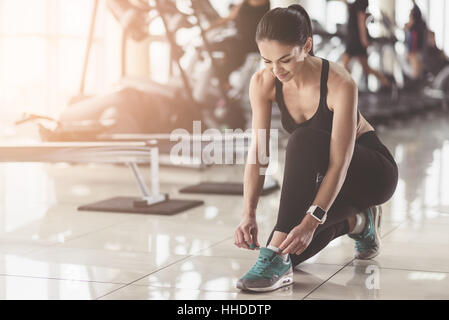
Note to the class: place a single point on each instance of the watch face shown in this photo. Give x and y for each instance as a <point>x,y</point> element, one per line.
<point>319,213</point>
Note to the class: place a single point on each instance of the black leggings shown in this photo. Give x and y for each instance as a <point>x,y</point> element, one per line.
<point>371,180</point>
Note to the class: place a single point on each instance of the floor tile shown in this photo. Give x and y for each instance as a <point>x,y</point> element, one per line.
<point>419,233</point>
<point>19,247</point>
<point>221,274</point>
<point>61,253</point>
<point>26,288</point>
<point>139,292</point>
<point>172,237</point>
<point>414,256</point>
<point>52,225</point>
<point>370,280</point>
<point>85,264</point>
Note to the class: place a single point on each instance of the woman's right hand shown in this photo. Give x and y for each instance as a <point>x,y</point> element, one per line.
<point>246,233</point>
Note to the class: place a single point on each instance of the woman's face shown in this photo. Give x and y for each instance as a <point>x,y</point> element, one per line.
<point>284,61</point>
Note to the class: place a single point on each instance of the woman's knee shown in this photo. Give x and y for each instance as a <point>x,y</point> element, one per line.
<point>386,190</point>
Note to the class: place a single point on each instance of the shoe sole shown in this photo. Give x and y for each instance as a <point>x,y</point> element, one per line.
<point>378,228</point>
<point>285,280</point>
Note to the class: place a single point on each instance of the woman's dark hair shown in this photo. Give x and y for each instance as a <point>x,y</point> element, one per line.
<point>416,13</point>
<point>290,26</point>
<point>419,25</point>
<point>361,4</point>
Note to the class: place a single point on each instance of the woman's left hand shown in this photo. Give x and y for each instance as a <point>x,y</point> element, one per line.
<point>299,238</point>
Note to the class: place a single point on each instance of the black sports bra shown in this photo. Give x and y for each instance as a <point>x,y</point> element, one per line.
<point>322,119</point>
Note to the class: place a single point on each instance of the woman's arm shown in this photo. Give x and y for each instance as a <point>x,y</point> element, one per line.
<point>344,130</point>
<point>361,21</point>
<point>260,86</point>
<point>221,21</point>
<point>261,118</point>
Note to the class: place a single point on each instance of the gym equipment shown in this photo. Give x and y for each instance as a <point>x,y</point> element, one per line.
<point>236,144</point>
<point>427,93</point>
<point>327,44</point>
<point>81,95</point>
<point>386,46</point>
<point>403,100</point>
<point>130,153</point>
<point>229,108</point>
<point>145,107</point>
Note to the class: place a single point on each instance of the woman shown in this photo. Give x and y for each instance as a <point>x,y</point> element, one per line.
<point>336,170</point>
<point>415,39</point>
<point>434,60</point>
<point>357,40</point>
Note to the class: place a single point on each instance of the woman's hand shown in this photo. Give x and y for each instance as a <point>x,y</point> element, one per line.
<point>246,234</point>
<point>300,236</point>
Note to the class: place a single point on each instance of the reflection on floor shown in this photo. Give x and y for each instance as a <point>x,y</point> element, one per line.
<point>56,252</point>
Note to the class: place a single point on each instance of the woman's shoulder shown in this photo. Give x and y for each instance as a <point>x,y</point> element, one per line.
<point>339,77</point>
<point>263,84</point>
<point>340,84</point>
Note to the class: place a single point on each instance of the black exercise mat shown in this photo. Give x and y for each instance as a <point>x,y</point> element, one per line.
<point>126,205</point>
<point>225,188</point>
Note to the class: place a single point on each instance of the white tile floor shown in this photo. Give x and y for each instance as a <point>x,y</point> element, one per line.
<point>49,250</point>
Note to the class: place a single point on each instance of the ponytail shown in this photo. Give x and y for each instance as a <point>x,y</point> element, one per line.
<point>304,19</point>
<point>290,25</point>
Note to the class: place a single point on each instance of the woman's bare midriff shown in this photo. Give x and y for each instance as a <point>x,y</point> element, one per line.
<point>363,126</point>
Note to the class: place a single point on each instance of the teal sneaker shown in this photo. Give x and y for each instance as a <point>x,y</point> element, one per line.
<point>269,273</point>
<point>367,243</point>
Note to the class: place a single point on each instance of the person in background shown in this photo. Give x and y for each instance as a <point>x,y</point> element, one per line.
<point>357,40</point>
<point>433,59</point>
<point>415,40</point>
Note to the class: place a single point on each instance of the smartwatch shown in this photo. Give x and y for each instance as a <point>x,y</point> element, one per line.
<point>318,213</point>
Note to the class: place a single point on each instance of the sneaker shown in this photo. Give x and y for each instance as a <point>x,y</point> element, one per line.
<point>269,273</point>
<point>367,243</point>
